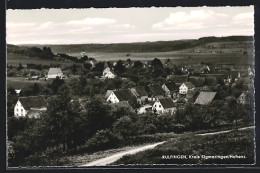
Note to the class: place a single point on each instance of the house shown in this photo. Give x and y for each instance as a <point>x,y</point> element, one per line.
<point>164,105</point>
<point>185,87</point>
<point>177,79</point>
<point>54,72</point>
<point>170,88</point>
<point>106,70</point>
<point>140,94</point>
<point>155,91</point>
<point>205,98</point>
<point>243,98</point>
<point>30,106</point>
<point>17,91</point>
<point>108,93</point>
<point>120,95</point>
<point>108,74</point>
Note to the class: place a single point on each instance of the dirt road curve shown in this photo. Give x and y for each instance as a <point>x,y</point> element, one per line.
<point>108,160</point>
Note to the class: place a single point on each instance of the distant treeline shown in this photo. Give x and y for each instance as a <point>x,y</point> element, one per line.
<point>44,53</point>
<point>32,52</point>
<point>159,46</point>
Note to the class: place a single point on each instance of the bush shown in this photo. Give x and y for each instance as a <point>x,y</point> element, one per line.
<point>103,139</point>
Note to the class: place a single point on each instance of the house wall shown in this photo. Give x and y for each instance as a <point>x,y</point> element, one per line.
<point>53,76</point>
<point>112,98</point>
<point>109,75</point>
<point>19,110</point>
<point>158,106</point>
<point>183,89</point>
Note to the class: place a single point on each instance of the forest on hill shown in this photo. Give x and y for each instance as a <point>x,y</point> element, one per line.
<point>159,46</point>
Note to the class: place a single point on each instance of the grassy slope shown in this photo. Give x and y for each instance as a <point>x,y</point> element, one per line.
<point>232,143</point>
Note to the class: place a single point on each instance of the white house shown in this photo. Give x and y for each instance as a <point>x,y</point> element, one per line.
<point>54,72</point>
<point>110,75</point>
<point>164,105</point>
<point>120,95</point>
<point>30,106</point>
<point>183,89</point>
<point>106,70</point>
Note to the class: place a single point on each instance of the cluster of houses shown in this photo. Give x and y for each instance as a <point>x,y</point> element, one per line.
<point>172,95</point>
<point>160,99</point>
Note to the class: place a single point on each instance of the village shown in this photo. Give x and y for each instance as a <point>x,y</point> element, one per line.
<point>199,84</point>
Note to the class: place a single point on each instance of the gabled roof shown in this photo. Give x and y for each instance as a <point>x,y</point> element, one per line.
<point>106,70</point>
<point>189,85</point>
<point>191,94</point>
<point>205,98</point>
<point>156,89</point>
<point>197,81</point>
<point>123,94</point>
<point>171,86</point>
<point>53,71</point>
<point>177,78</point>
<point>139,91</point>
<point>166,102</point>
<point>33,102</point>
<point>108,93</point>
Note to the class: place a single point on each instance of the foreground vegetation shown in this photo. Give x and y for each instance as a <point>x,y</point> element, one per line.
<point>235,143</point>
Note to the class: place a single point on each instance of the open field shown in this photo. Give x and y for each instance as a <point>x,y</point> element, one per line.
<point>234,147</point>
<point>176,57</point>
<point>15,59</point>
<point>21,82</point>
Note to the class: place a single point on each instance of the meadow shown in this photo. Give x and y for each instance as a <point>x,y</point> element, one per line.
<point>193,147</point>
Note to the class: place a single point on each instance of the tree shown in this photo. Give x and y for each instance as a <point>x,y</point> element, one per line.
<point>138,64</point>
<point>87,66</point>
<point>98,116</point>
<point>56,84</point>
<point>157,63</point>
<point>119,68</point>
<point>99,67</point>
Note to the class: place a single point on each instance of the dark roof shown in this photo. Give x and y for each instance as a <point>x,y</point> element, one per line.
<point>123,94</point>
<point>191,94</point>
<point>197,81</point>
<point>33,102</point>
<point>156,89</point>
<point>177,78</point>
<point>171,86</point>
<point>205,98</point>
<point>189,85</point>
<point>167,102</point>
<point>139,91</point>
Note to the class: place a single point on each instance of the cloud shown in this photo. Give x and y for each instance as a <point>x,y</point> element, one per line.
<point>92,21</point>
<point>195,19</point>
<point>244,18</point>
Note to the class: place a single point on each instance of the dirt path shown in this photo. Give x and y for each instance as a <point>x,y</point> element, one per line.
<point>108,160</point>
<point>111,159</point>
<point>226,131</point>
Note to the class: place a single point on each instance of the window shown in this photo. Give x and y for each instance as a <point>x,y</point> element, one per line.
<point>154,105</point>
<point>160,106</point>
<point>22,110</point>
<point>17,109</point>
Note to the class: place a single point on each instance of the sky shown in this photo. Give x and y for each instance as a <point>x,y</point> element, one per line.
<point>125,25</point>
